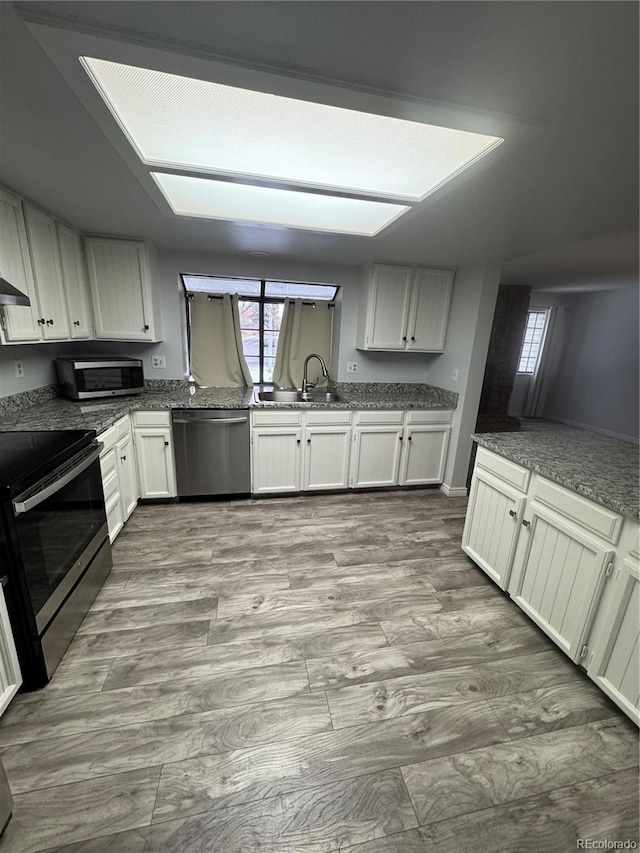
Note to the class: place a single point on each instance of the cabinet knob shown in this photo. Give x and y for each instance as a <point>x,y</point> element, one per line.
<point>146,328</point>
<point>409,438</point>
<point>399,438</point>
<point>412,337</point>
<point>297,441</point>
<point>308,441</point>
<point>124,458</point>
<point>166,444</point>
<point>512,513</point>
<point>525,523</point>
<point>405,338</point>
<point>42,321</point>
<point>49,322</point>
<point>76,322</point>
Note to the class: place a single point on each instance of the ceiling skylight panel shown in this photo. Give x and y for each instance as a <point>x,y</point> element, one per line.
<point>195,125</point>
<point>211,199</point>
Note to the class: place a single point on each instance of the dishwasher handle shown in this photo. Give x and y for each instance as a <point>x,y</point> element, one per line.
<point>210,420</point>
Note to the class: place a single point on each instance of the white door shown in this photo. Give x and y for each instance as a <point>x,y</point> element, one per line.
<point>388,308</point>
<point>429,311</point>
<point>326,457</point>
<point>47,273</point>
<point>558,577</point>
<point>10,675</point>
<point>376,456</point>
<point>20,321</point>
<point>75,282</point>
<point>424,455</point>
<point>154,460</point>
<point>492,526</point>
<point>275,458</point>
<point>116,270</point>
<point>615,665</point>
<point>127,482</point>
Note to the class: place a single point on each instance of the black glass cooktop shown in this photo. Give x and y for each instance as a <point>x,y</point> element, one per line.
<point>26,457</point>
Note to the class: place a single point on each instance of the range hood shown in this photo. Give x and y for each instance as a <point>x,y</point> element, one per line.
<point>10,295</point>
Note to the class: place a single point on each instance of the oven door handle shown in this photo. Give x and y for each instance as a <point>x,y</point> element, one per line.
<point>24,506</point>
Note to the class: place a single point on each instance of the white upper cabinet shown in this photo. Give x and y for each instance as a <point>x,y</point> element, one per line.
<point>20,322</point>
<point>47,273</point>
<point>125,306</point>
<point>76,286</point>
<point>405,309</point>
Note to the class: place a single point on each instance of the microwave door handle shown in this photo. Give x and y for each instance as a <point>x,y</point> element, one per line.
<point>20,507</point>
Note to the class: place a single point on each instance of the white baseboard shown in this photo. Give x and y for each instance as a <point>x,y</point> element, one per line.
<point>591,428</point>
<point>454,491</point>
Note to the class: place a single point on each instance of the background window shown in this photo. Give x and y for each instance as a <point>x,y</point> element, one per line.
<point>260,304</point>
<point>533,340</point>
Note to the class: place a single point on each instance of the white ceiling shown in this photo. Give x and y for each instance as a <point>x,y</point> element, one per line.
<point>570,68</point>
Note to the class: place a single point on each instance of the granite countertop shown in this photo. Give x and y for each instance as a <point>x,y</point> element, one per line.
<point>602,469</point>
<point>41,409</point>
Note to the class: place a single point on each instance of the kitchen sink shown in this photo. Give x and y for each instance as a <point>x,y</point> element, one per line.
<point>279,395</point>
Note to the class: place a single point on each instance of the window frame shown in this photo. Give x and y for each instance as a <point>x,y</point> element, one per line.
<point>262,299</point>
<point>530,311</point>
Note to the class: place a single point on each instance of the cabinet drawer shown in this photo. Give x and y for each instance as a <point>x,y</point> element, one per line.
<point>328,417</point>
<point>594,518</point>
<point>123,427</point>
<point>429,416</point>
<point>388,416</point>
<point>108,438</point>
<point>506,470</point>
<point>279,417</point>
<point>152,418</point>
<point>107,462</point>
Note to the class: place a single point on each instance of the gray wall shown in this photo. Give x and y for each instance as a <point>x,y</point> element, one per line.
<point>597,380</point>
<point>468,334</point>
<point>37,362</point>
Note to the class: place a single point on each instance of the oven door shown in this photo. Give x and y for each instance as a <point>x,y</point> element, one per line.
<point>60,524</point>
<point>107,379</point>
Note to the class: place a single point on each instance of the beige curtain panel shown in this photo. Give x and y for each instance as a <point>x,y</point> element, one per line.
<point>217,359</point>
<point>304,330</point>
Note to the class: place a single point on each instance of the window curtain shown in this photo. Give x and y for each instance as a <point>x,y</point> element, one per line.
<point>306,328</point>
<point>216,356</point>
<point>547,364</point>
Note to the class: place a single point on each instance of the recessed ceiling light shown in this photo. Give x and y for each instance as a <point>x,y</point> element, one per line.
<point>202,197</point>
<point>195,125</point>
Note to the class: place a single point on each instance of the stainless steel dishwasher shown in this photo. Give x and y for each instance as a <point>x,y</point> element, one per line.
<point>212,451</point>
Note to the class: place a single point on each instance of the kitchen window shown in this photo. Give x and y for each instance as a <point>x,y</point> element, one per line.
<point>533,342</point>
<point>261,304</point>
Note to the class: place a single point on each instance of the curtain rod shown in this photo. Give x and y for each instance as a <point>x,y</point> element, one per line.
<point>222,295</point>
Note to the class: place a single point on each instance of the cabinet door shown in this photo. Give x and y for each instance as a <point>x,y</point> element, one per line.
<point>615,665</point>
<point>326,457</point>
<point>429,310</point>
<point>492,526</point>
<point>558,577</point>
<point>10,675</point>
<point>47,273</point>
<point>20,321</point>
<point>424,455</point>
<point>118,278</point>
<point>376,456</point>
<point>154,461</point>
<point>76,287</point>
<point>387,309</point>
<point>275,458</point>
<point>127,483</point>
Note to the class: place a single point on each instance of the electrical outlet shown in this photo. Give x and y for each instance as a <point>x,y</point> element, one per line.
<point>352,367</point>
<point>159,362</point>
<point>18,366</point>
<point>455,373</point>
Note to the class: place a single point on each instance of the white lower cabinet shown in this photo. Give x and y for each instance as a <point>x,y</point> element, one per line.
<point>117,464</point>
<point>10,675</point>
<point>326,457</point>
<point>572,565</point>
<point>154,454</point>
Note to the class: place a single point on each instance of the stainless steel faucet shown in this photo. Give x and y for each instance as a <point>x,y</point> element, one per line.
<point>306,385</point>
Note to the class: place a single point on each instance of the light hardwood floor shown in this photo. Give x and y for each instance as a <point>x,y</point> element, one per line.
<point>306,675</point>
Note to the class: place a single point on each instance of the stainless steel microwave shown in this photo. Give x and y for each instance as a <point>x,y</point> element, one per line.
<point>91,378</point>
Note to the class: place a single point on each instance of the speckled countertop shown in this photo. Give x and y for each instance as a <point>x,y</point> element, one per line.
<point>602,469</point>
<point>41,409</point>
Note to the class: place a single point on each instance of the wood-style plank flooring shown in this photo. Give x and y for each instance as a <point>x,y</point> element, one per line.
<point>313,674</point>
